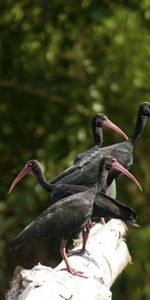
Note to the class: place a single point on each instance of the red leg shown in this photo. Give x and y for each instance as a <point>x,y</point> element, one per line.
<point>90,224</point>
<point>65,258</point>
<point>85,235</point>
<point>107,191</point>
<point>102,221</point>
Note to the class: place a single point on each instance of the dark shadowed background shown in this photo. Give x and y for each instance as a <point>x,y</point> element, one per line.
<point>61,62</point>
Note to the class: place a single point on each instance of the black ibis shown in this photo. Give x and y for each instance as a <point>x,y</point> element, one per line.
<point>62,190</point>
<point>98,122</point>
<point>67,216</point>
<point>85,171</point>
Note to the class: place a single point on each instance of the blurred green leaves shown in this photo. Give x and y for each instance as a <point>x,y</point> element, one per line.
<point>59,64</point>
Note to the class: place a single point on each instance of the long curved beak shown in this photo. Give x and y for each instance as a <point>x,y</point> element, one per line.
<point>121,169</point>
<point>27,169</point>
<point>107,123</point>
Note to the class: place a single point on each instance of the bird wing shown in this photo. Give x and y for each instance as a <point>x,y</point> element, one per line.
<point>63,218</point>
<point>76,173</point>
<point>85,171</point>
<point>85,154</point>
<point>64,190</point>
<point>106,206</point>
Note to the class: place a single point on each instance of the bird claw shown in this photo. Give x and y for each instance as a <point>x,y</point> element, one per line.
<point>75,272</point>
<point>78,252</point>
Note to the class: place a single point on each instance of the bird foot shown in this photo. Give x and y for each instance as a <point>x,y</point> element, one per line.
<point>75,272</point>
<point>78,252</point>
<point>102,221</point>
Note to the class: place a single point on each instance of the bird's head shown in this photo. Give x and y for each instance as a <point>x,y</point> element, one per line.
<point>31,166</point>
<point>100,120</point>
<point>144,109</point>
<point>34,165</point>
<point>109,162</point>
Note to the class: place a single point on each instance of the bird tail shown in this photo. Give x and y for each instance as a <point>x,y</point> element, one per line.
<point>106,206</point>
<point>133,222</point>
<point>15,245</point>
<point>25,236</point>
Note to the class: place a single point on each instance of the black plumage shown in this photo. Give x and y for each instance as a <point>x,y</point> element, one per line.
<point>107,207</point>
<point>67,216</point>
<point>85,171</point>
<point>62,190</point>
<point>98,122</point>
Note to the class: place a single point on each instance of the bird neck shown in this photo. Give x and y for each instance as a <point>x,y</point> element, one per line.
<point>42,180</point>
<point>94,190</point>
<point>102,176</point>
<point>98,136</point>
<point>140,124</point>
<point>103,181</point>
<point>100,185</point>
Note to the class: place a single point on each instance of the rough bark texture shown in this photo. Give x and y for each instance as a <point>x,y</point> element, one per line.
<point>106,258</point>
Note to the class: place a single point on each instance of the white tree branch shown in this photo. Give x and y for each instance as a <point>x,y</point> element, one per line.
<point>107,257</point>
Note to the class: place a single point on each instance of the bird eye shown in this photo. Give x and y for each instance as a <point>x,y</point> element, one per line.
<point>29,164</point>
<point>146,113</point>
<point>108,166</point>
<point>99,123</point>
<point>113,160</point>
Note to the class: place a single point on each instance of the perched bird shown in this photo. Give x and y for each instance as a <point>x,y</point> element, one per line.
<point>67,216</point>
<point>98,122</point>
<point>85,172</point>
<point>59,191</point>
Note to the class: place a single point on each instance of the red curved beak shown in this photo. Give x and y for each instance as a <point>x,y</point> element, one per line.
<point>107,123</point>
<point>27,169</point>
<point>121,169</point>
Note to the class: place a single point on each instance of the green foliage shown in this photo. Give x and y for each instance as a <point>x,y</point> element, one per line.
<point>60,63</point>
